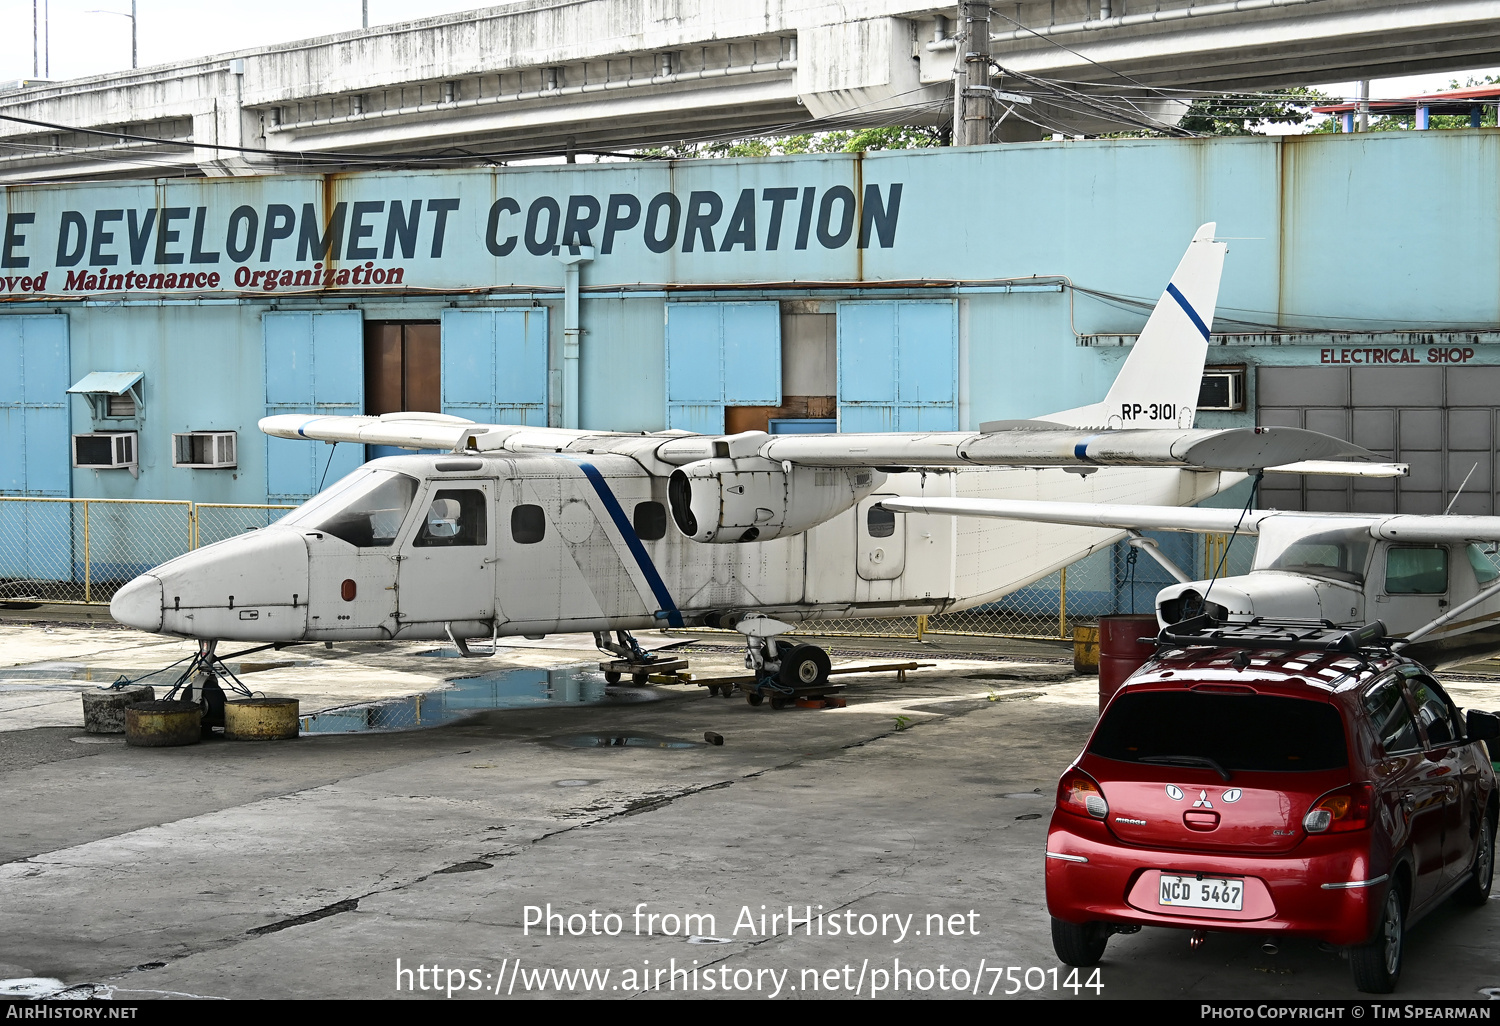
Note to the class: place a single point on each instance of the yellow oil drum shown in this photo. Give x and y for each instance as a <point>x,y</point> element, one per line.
<point>163,724</point>
<point>1085,649</point>
<point>260,719</point>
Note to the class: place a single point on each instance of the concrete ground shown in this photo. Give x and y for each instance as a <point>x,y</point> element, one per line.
<point>351,865</point>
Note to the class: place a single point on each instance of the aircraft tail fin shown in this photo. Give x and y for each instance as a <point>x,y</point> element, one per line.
<point>1158,385</point>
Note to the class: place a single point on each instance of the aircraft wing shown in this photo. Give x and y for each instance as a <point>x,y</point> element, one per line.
<point>1437,530</point>
<point>1091,514</point>
<point>1231,449</point>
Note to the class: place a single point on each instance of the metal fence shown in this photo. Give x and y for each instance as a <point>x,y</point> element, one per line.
<point>84,550</point>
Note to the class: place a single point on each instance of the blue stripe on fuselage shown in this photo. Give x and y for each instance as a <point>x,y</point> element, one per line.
<point>633,542</point>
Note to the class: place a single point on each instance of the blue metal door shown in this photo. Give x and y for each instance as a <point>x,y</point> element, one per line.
<point>314,364</point>
<point>898,365</point>
<point>718,355</point>
<point>495,365</point>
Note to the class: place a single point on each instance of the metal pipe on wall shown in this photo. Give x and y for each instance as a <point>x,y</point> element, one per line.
<point>572,258</point>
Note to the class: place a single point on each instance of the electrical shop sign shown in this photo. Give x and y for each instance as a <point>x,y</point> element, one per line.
<point>440,232</point>
<point>1394,355</point>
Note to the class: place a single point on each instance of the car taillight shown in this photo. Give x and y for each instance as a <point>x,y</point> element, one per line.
<point>1348,808</point>
<point>1078,793</point>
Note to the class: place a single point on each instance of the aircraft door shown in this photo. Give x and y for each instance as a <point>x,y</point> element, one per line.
<point>1410,585</point>
<point>881,548</point>
<point>447,559</point>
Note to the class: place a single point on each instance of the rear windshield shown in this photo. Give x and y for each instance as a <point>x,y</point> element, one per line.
<point>1254,733</point>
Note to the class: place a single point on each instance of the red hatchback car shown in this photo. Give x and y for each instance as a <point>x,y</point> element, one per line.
<point>1278,779</point>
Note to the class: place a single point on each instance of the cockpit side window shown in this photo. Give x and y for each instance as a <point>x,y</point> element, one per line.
<point>456,516</point>
<point>1485,571</point>
<point>1413,570</point>
<point>368,515</point>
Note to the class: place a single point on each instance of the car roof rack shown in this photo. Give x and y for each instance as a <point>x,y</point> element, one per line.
<point>1285,635</point>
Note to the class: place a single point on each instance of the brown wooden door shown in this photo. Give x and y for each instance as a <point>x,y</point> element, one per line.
<point>403,367</point>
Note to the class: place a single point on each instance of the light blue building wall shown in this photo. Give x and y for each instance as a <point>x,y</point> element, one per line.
<point>1038,247</point>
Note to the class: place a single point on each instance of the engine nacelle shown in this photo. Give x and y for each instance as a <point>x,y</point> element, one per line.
<point>756,499</point>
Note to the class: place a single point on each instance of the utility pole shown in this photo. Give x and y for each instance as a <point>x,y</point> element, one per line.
<point>132,35</point>
<point>1362,105</point>
<point>977,96</point>
<point>36,70</point>
<point>364,14</point>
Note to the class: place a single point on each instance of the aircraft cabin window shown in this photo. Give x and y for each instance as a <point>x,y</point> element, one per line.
<point>528,524</point>
<point>650,521</point>
<point>1416,571</point>
<point>370,514</point>
<point>455,517</point>
<point>1335,555</point>
<point>1485,571</point>
<point>881,523</point>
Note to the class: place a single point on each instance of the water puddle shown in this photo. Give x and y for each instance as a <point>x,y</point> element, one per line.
<point>514,688</point>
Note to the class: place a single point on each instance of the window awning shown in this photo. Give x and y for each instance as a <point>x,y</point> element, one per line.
<point>107,382</point>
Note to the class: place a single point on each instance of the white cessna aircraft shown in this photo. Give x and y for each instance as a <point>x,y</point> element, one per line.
<point>530,531</point>
<point>1427,578</point>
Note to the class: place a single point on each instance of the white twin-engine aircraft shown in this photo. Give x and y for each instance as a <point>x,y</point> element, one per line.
<point>530,531</point>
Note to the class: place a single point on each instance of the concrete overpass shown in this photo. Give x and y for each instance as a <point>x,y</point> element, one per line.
<point>542,77</point>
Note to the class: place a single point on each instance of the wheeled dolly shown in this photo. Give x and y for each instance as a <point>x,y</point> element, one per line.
<point>634,661</point>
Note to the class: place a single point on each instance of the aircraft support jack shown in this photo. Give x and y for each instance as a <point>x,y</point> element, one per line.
<point>632,659</point>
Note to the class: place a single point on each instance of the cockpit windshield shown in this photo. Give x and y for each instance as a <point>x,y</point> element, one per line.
<point>367,513</point>
<point>1339,555</point>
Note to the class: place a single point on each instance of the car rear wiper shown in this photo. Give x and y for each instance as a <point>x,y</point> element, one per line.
<point>1188,760</point>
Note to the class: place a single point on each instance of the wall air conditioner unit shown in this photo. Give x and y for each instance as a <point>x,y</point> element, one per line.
<point>1223,388</point>
<point>107,450</point>
<point>204,450</point>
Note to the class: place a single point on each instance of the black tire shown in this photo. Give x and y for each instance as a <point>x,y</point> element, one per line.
<point>1079,944</point>
<point>1476,891</point>
<point>753,698</point>
<point>640,679</point>
<point>1376,964</point>
<point>611,677</point>
<point>778,702</point>
<point>806,666</point>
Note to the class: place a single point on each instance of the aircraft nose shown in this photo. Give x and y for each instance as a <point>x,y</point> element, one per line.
<point>139,603</point>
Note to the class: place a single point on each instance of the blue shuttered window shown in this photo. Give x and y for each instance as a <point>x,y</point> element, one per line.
<point>314,364</point>
<point>898,366</point>
<point>718,355</point>
<point>34,423</point>
<point>495,365</point>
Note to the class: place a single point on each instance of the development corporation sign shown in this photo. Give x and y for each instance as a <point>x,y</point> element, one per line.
<point>440,231</point>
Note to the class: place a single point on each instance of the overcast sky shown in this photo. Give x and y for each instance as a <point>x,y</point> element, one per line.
<point>86,43</point>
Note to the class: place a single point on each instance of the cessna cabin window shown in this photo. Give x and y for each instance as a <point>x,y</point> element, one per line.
<point>454,517</point>
<point>528,524</point>
<point>367,514</point>
<point>1485,570</point>
<point>650,521</point>
<point>881,523</point>
<point>1416,571</point>
<point>1334,555</point>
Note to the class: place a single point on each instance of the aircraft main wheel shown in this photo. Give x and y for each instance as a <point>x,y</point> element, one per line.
<point>611,677</point>
<point>753,698</point>
<point>806,666</point>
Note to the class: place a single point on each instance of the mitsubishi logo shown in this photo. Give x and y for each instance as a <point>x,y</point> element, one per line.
<point>1203,802</point>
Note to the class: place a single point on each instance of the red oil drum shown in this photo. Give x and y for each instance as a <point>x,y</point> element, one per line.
<point>1121,652</point>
